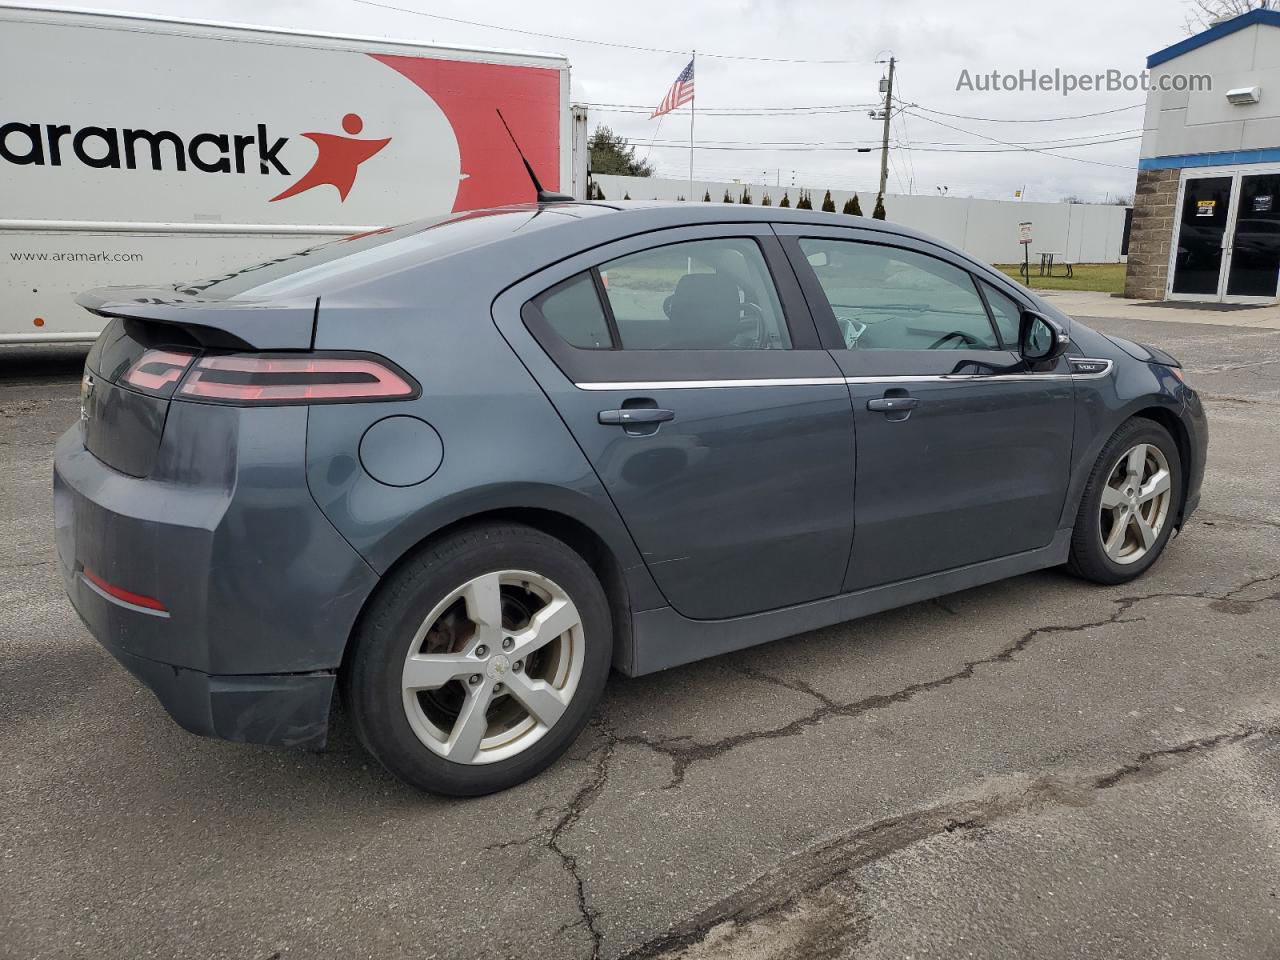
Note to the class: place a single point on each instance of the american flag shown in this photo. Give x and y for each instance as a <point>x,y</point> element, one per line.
<point>681,92</point>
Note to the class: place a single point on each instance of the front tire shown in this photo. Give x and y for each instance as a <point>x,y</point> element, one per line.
<point>480,660</point>
<point>1130,504</point>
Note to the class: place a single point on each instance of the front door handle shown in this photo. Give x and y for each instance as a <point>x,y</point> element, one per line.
<point>633,415</point>
<point>893,404</point>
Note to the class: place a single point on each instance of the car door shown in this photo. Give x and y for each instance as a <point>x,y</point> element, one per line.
<point>963,452</point>
<point>689,370</point>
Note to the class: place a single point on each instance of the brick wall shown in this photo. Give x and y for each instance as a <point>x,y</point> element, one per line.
<point>1152,233</point>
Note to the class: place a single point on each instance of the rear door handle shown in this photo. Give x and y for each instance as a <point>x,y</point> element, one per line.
<point>632,415</point>
<point>893,404</point>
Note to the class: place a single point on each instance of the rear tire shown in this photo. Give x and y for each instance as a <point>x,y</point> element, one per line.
<point>479,660</point>
<point>1129,506</point>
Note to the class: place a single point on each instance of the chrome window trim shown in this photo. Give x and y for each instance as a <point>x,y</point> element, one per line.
<point>707,384</point>
<point>828,381</point>
<point>960,377</point>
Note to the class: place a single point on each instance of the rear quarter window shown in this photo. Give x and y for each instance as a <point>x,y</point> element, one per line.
<point>572,309</point>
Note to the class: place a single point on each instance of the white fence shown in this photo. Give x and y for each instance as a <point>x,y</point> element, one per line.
<point>985,229</point>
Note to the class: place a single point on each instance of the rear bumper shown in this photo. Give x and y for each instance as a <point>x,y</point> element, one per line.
<point>259,591</point>
<point>287,710</point>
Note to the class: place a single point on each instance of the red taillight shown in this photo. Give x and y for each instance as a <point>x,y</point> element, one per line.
<point>249,379</point>
<point>156,370</point>
<point>119,593</point>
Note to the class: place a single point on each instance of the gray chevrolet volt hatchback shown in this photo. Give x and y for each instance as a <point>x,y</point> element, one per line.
<point>457,470</point>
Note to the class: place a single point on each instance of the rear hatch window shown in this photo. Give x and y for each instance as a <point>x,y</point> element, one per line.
<point>324,265</point>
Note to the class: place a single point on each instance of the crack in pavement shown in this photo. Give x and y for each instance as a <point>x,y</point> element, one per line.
<point>683,752</point>
<point>550,838</point>
<point>1212,519</point>
<point>1218,398</point>
<point>885,836</point>
<point>799,686</point>
<point>782,888</point>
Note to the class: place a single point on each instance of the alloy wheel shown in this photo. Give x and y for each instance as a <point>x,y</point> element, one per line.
<point>493,667</point>
<point>1135,503</point>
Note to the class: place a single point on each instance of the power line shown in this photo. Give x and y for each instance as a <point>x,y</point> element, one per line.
<point>779,112</point>
<point>1041,150</point>
<point>595,43</point>
<point>905,139</point>
<point>1044,150</point>
<point>1108,136</point>
<point>802,106</point>
<point>851,147</point>
<point>1081,116</point>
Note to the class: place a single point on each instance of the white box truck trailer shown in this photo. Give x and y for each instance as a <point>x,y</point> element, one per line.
<point>140,150</point>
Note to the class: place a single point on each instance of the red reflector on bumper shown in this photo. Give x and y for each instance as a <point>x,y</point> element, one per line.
<point>119,593</point>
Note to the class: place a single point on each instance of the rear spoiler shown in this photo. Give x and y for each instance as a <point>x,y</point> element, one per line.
<point>252,324</point>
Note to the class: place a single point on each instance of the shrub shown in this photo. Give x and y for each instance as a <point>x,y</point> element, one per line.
<point>879,211</point>
<point>786,199</point>
<point>746,195</point>
<point>828,205</point>
<point>765,201</point>
<point>727,198</point>
<point>852,206</point>
<point>706,197</point>
<point>805,202</point>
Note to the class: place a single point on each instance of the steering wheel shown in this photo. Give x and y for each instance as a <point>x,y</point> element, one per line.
<point>750,312</point>
<point>969,340</point>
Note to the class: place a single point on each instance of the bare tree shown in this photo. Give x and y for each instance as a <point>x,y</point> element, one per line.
<point>1203,14</point>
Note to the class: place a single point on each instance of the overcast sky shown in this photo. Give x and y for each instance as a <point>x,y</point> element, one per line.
<point>934,42</point>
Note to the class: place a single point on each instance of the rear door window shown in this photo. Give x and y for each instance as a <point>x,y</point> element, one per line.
<point>700,295</point>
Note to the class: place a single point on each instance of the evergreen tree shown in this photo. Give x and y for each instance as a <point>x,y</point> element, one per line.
<point>706,197</point>
<point>680,198</point>
<point>610,153</point>
<point>786,199</point>
<point>627,195</point>
<point>727,198</point>
<point>805,203</point>
<point>853,207</point>
<point>828,205</point>
<point>746,195</point>
<point>765,201</point>
<point>879,211</point>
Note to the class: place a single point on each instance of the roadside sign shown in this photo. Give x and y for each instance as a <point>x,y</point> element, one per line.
<point>1024,232</point>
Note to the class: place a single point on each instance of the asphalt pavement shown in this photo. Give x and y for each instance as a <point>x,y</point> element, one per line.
<point>1037,768</point>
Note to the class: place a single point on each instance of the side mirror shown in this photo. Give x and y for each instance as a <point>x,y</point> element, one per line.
<point>1039,338</point>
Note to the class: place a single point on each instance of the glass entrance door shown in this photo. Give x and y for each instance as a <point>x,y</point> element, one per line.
<point>1202,225</point>
<point>1254,251</point>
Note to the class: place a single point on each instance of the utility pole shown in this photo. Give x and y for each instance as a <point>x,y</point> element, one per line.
<point>884,143</point>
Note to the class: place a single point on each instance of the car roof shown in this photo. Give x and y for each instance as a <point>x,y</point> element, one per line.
<point>659,214</point>
<point>531,236</point>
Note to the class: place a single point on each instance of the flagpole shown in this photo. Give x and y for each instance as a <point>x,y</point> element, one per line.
<point>692,111</point>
